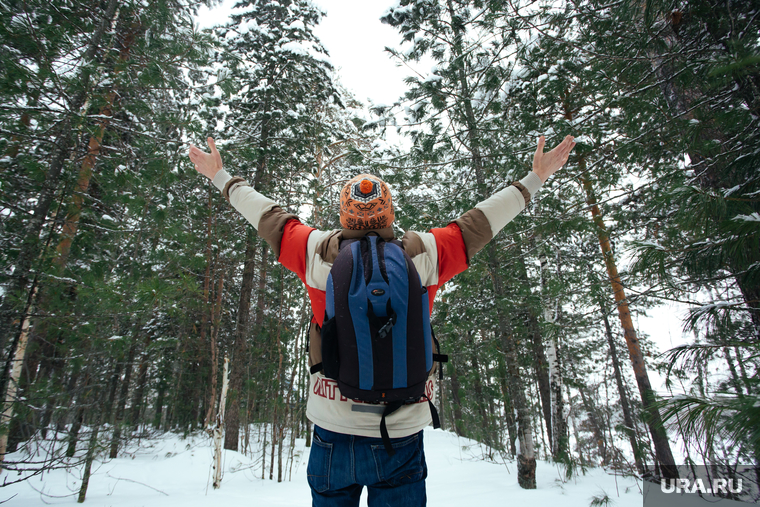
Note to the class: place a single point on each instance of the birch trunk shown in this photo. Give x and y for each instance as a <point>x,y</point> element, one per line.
<point>218,430</point>
<point>12,385</point>
<point>551,316</point>
<point>526,457</point>
<point>205,315</point>
<point>216,315</point>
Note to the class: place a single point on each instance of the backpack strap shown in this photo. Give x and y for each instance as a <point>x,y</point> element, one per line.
<point>389,409</point>
<point>317,367</point>
<point>437,356</point>
<point>433,413</point>
<point>392,407</point>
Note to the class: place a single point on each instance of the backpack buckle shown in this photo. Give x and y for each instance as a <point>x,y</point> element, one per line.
<point>383,331</point>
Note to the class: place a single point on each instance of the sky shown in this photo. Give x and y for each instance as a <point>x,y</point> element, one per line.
<point>356,40</point>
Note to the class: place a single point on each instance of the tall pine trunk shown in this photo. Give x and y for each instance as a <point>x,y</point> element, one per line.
<point>239,362</point>
<point>73,436</point>
<point>71,225</point>
<point>684,103</point>
<point>593,420</point>
<point>654,419</point>
<point>542,371</point>
<point>478,387</point>
<point>508,409</point>
<point>91,449</point>
<point>456,411</point>
<point>630,429</point>
<point>142,380</point>
<point>526,459</point>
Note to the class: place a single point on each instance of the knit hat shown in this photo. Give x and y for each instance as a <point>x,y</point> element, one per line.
<point>365,203</point>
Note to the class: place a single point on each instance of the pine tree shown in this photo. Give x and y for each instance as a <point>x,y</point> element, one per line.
<point>92,256</point>
<point>461,105</point>
<point>689,84</point>
<point>278,74</point>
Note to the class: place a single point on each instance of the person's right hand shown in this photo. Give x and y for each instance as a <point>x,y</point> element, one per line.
<point>208,164</point>
<point>546,164</point>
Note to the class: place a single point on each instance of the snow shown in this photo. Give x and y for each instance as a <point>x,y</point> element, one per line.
<point>297,25</point>
<point>731,190</point>
<point>295,48</point>
<point>174,472</point>
<point>649,244</point>
<point>433,78</point>
<point>754,217</point>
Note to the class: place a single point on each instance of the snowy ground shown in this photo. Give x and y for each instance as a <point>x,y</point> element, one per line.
<point>176,472</point>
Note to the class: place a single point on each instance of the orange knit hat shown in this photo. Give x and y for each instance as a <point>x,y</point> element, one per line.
<point>365,203</point>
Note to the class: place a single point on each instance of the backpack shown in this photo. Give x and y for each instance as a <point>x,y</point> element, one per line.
<point>377,342</point>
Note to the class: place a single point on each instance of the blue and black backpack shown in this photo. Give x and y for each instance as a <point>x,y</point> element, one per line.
<point>377,342</point>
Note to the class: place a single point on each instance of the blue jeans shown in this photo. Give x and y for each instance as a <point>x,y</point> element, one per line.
<point>341,465</point>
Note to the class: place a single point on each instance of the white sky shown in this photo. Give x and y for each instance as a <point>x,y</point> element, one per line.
<point>356,40</point>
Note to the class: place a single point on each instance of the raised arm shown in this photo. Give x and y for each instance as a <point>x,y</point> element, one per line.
<point>502,207</point>
<point>465,236</point>
<point>274,224</point>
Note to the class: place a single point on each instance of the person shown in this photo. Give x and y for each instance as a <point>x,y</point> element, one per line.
<point>347,452</point>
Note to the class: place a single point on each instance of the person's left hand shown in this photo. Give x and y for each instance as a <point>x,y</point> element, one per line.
<point>546,164</point>
<point>208,164</point>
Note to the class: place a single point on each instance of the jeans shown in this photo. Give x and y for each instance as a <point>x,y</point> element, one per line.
<point>341,465</point>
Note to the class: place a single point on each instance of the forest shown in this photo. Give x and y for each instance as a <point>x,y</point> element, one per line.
<point>128,283</point>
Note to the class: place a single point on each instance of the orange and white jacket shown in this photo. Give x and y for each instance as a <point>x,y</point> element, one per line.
<point>438,255</point>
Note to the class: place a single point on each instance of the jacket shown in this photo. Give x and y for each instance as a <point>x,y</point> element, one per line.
<point>438,255</point>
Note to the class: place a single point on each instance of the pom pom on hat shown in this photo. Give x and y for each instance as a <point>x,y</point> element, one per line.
<point>365,186</point>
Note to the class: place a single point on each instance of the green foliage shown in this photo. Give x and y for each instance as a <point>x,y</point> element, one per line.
<point>601,500</point>
<point>664,106</point>
<point>724,415</point>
